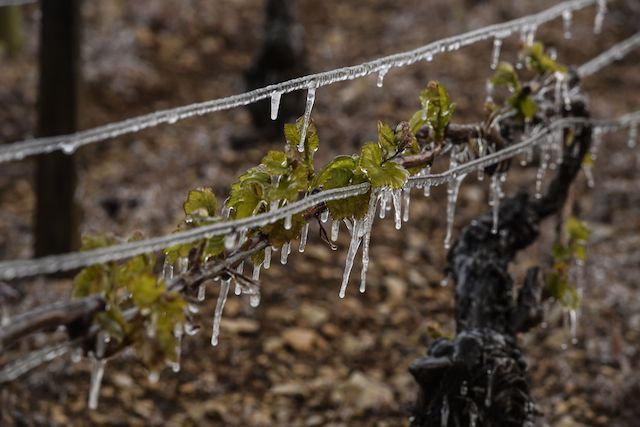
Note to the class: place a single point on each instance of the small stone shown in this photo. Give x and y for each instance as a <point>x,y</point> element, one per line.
<point>300,339</point>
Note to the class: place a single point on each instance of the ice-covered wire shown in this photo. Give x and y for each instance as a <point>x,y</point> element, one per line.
<point>51,264</point>
<point>609,56</point>
<point>69,143</point>
<point>5,3</point>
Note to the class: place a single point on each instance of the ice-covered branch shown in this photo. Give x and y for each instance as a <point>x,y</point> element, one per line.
<point>380,66</point>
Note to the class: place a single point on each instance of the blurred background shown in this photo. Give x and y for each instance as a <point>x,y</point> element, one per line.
<point>303,357</point>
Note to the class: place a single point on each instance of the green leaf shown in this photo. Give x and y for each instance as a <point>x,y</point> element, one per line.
<point>145,290</point>
<point>440,111</point>
<point>386,138</point>
<point>537,60</point>
<point>293,132</point>
<point>97,241</point>
<point>201,202</point>
<point>577,230</point>
<point>506,75</point>
<point>388,174</point>
<point>248,193</point>
<point>276,163</point>
<point>524,104</point>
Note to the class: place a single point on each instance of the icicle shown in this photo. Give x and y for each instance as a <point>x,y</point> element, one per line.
<point>230,241</point>
<point>633,135</point>
<point>588,174</point>
<point>366,238</point>
<point>226,212</point>
<point>384,199</point>
<point>190,329</point>
<point>177,332</point>
<point>254,299</point>
<point>489,86</point>
<point>395,195</point>
<point>473,415</point>
<point>201,292</point>
<point>324,216</point>
<point>167,270</point>
<point>531,35</point>
<point>464,389</point>
<point>284,252</point>
<point>567,15</point>
<point>573,326</point>
<point>335,228</point>
<point>596,142</point>
<point>76,355</point>
<point>256,272</point>
<point>444,412</point>
<point>406,196</point>
<point>542,169</point>
<point>356,239</point>
<point>311,97</point>
<point>600,14</point>
<point>487,397</point>
<point>452,197</point>
<point>267,257</point>
<point>495,54</point>
<point>97,372</point>
<point>217,316</point>
<point>383,72</point>
<point>183,264</point>
<point>494,201</point>
<point>275,104</point>
<point>240,270</point>
<point>287,222</point>
<point>153,377</point>
<point>303,237</point>
<point>68,147</point>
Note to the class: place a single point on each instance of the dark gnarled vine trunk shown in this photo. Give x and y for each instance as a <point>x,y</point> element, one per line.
<point>480,377</point>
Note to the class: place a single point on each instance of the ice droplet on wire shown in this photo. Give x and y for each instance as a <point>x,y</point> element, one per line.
<point>311,97</point>
<point>217,316</point>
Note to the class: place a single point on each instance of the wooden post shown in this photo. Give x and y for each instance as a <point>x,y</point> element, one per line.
<point>57,214</point>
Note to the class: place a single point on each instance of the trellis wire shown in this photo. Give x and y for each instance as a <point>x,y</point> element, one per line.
<point>609,56</point>
<point>68,143</point>
<point>5,3</point>
<point>51,264</point>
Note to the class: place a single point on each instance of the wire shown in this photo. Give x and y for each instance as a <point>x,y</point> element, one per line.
<point>69,143</point>
<point>609,56</point>
<point>51,264</point>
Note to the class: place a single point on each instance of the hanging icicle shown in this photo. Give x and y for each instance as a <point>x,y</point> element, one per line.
<point>397,207</point>
<point>275,104</point>
<point>97,372</point>
<point>494,202</point>
<point>287,222</point>
<point>495,53</point>
<point>311,97</point>
<point>217,316</point>
<point>324,216</point>
<point>267,257</point>
<point>284,252</point>
<point>406,198</point>
<point>357,231</point>
<point>366,238</point>
<point>600,14</point>
<point>633,135</point>
<point>452,197</point>
<point>383,72</point>
<point>202,291</point>
<point>335,228</point>
<point>567,16</point>
<point>303,237</point>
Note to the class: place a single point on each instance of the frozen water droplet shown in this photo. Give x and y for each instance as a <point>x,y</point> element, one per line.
<point>311,97</point>
<point>183,264</point>
<point>383,72</point>
<point>68,148</point>
<point>287,222</point>
<point>324,216</point>
<point>217,316</point>
<point>464,389</point>
<point>275,104</point>
<point>284,252</point>
<point>495,54</point>
<point>256,272</point>
<point>97,372</point>
<point>167,270</point>
<point>230,241</point>
<point>494,202</point>
<point>172,118</point>
<point>489,90</point>
<point>335,228</point>
<point>567,16</point>
<point>303,237</point>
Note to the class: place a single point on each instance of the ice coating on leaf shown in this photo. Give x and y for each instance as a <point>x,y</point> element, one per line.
<point>311,97</point>
<point>284,252</point>
<point>356,238</point>
<point>303,237</point>
<point>267,257</point>
<point>275,104</point>
<point>97,372</point>
<point>217,316</point>
<point>366,238</point>
<point>452,197</point>
<point>397,207</point>
<point>335,228</point>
